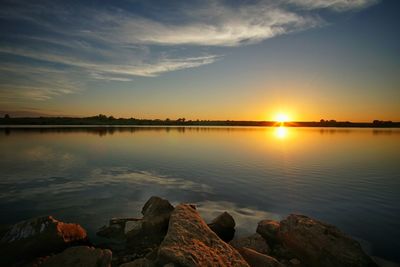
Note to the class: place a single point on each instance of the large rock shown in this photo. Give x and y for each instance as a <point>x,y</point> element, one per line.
<point>80,256</point>
<point>190,242</point>
<point>39,237</point>
<point>256,259</point>
<point>268,229</point>
<point>255,242</point>
<point>224,226</point>
<point>320,244</point>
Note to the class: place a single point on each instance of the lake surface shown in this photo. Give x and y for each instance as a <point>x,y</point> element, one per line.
<point>346,177</point>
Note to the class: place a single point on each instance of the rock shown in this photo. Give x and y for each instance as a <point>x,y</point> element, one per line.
<point>190,242</point>
<point>143,262</point>
<point>118,227</point>
<point>223,226</point>
<point>39,237</point>
<point>268,229</point>
<point>320,244</point>
<point>133,226</point>
<point>135,238</point>
<point>280,252</point>
<point>156,206</point>
<point>81,256</point>
<point>295,261</point>
<point>150,231</point>
<point>4,228</point>
<point>255,242</point>
<point>156,212</point>
<point>255,259</point>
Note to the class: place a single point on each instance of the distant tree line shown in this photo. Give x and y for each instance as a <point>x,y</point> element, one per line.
<point>102,119</point>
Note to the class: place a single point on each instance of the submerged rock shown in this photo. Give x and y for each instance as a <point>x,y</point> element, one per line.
<point>39,237</point>
<point>223,226</point>
<point>320,244</point>
<point>255,242</point>
<point>190,242</point>
<point>81,256</point>
<point>256,259</point>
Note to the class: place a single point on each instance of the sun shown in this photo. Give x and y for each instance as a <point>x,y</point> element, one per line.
<point>281,118</point>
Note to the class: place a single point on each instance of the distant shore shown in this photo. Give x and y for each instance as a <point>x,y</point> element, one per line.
<point>102,120</point>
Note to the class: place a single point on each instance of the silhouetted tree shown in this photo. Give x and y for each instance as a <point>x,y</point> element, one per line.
<point>102,117</point>
<point>6,116</point>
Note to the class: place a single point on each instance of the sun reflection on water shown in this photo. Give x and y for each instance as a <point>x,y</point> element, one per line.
<point>281,132</point>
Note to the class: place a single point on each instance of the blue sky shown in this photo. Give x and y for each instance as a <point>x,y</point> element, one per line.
<point>201,59</point>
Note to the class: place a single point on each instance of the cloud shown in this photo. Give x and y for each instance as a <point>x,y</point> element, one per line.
<point>79,43</point>
<point>20,82</point>
<point>335,5</point>
<point>215,25</point>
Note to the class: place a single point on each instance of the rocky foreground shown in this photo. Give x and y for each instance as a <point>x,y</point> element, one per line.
<point>178,236</point>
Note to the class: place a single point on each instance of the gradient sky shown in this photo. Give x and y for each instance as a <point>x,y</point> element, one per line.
<point>202,59</point>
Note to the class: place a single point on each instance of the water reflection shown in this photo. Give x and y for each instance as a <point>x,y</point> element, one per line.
<point>110,130</point>
<point>281,132</point>
<point>347,177</point>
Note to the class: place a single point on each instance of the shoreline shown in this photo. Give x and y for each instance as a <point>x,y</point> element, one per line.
<point>178,236</point>
<point>105,121</point>
<point>43,126</point>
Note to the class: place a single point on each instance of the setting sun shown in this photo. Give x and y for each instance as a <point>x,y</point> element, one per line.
<point>281,118</point>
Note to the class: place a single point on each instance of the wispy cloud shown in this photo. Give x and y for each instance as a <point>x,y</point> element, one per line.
<point>212,25</point>
<point>84,43</point>
<point>34,82</point>
<point>336,5</point>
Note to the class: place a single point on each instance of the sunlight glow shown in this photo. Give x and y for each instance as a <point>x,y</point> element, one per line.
<point>281,118</point>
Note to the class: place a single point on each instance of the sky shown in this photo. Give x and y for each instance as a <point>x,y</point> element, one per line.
<point>201,59</point>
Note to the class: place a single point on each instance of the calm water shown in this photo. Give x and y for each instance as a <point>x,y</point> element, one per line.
<point>347,177</point>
